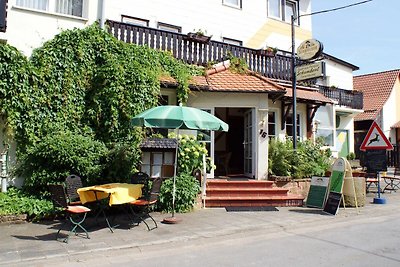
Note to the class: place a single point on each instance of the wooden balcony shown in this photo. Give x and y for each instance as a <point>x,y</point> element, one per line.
<point>343,97</point>
<point>200,53</point>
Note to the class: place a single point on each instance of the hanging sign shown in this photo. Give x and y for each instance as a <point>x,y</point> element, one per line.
<point>309,49</point>
<point>310,71</point>
<point>375,139</point>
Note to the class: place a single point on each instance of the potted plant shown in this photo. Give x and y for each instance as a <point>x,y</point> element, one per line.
<point>199,36</point>
<point>268,51</point>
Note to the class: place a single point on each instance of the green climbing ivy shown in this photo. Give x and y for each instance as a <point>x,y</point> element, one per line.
<point>84,81</point>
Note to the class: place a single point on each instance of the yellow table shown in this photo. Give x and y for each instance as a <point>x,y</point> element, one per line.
<point>118,193</point>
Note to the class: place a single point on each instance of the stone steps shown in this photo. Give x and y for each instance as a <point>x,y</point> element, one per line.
<point>231,192</point>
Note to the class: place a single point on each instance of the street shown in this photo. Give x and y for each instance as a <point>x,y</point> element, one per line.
<point>356,241</point>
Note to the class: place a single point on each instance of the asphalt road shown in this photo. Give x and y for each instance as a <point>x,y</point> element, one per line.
<point>361,241</point>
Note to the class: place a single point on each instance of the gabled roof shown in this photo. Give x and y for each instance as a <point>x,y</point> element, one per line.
<point>376,88</point>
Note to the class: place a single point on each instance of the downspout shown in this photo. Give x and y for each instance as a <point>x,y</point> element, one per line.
<point>102,13</point>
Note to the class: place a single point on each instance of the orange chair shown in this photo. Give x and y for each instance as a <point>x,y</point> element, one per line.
<point>75,214</point>
<point>146,203</point>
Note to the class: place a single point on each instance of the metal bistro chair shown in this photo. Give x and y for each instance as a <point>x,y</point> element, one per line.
<point>76,214</point>
<point>72,184</point>
<point>141,178</point>
<point>145,204</point>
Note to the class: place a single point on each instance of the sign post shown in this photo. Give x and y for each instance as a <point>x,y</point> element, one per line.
<point>376,144</point>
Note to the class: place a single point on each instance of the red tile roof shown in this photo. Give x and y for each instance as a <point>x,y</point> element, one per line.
<point>396,125</point>
<point>306,93</point>
<point>223,79</point>
<point>376,88</point>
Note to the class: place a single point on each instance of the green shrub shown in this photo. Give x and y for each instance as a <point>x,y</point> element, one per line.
<point>58,155</point>
<point>187,189</point>
<point>15,202</point>
<point>308,160</point>
<point>190,154</point>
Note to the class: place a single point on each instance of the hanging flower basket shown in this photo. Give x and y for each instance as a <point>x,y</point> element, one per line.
<point>194,36</point>
<point>266,52</point>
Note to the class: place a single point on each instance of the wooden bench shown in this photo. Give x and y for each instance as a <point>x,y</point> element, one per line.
<point>392,181</point>
<point>371,180</point>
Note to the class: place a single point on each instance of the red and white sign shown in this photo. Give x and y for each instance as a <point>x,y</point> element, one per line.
<point>375,139</point>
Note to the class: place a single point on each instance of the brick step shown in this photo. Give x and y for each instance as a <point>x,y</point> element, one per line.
<point>276,201</point>
<point>243,192</point>
<point>239,183</point>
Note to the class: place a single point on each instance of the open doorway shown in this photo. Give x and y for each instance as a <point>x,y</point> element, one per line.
<point>229,149</point>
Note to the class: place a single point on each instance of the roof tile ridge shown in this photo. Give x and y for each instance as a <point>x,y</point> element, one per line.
<point>218,68</point>
<point>378,73</point>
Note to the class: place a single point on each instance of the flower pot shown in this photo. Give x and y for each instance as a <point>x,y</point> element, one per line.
<point>192,36</point>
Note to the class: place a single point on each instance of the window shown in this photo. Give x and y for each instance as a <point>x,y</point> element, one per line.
<point>68,7</point>
<point>271,125</point>
<point>232,41</point>
<point>3,16</point>
<point>289,125</point>
<point>135,21</point>
<point>323,125</point>
<point>283,9</point>
<point>158,164</point>
<point>169,27</point>
<point>233,3</point>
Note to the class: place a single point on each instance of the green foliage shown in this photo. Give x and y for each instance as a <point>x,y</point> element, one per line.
<point>187,189</point>
<point>238,65</point>
<point>88,83</point>
<point>351,156</point>
<point>308,160</point>
<point>58,155</point>
<point>190,154</point>
<point>15,202</point>
<point>120,163</point>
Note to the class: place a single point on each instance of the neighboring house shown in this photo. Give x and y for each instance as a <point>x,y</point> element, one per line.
<point>258,105</point>
<point>381,104</point>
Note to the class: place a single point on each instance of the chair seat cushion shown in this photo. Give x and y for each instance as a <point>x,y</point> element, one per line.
<point>143,202</point>
<point>78,209</point>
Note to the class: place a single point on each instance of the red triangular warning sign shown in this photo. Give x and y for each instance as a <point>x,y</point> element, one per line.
<point>375,139</point>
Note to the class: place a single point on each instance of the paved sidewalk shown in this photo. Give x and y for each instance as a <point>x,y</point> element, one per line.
<point>21,243</point>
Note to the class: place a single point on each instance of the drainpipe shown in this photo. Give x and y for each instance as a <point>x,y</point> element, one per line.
<point>102,13</point>
<point>3,171</point>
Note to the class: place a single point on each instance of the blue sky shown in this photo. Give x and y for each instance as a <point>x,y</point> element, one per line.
<point>366,35</point>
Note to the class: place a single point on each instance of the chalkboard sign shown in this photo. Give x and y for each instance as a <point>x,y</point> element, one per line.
<point>375,160</point>
<point>332,203</point>
<point>317,194</point>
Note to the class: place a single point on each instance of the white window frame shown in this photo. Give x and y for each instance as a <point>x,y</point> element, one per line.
<point>274,124</point>
<point>50,6</point>
<point>169,27</point>
<point>232,41</point>
<point>230,4</point>
<point>134,20</point>
<point>283,4</point>
<point>298,131</point>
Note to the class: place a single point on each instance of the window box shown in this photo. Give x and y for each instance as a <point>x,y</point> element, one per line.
<point>194,36</point>
<point>269,52</point>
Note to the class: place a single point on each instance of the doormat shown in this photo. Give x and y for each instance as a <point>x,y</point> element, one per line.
<point>239,209</point>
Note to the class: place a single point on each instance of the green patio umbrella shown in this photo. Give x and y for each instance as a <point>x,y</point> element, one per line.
<point>178,117</point>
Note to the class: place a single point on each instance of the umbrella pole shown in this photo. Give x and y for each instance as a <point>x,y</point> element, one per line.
<point>173,219</point>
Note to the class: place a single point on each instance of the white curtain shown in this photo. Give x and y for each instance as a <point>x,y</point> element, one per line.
<point>34,4</point>
<point>70,7</point>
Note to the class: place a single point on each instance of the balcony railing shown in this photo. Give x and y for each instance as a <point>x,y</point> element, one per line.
<point>194,52</point>
<point>343,97</point>
<point>199,53</point>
